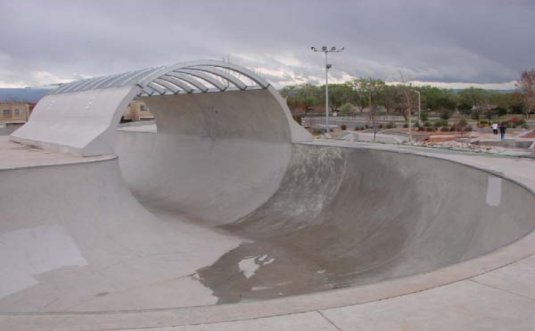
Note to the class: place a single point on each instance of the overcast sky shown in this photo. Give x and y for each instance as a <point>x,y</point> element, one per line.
<point>449,41</point>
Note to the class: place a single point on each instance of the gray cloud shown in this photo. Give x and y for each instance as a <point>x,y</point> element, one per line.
<point>484,41</point>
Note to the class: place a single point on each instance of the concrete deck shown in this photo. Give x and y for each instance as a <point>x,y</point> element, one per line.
<point>16,156</point>
<point>495,291</point>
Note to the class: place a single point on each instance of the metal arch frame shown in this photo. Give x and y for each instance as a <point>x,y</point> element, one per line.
<point>177,78</point>
<point>241,70</point>
<point>170,83</point>
<point>84,85</point>
<point>79,85</point>
<point>160,89</point>
<point>87,84</point>
<point>203,76</point>
<point>188,79</point>
<point>113,93</point>
<point>220,73</point>
<point>65,87</point>
<point>126,77</point>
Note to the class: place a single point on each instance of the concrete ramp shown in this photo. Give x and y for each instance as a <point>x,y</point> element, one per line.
<point>224,203</point>
<point>344,217</point>
<point>216,157</point>
<point>339,217</point>
<point>75,239</point>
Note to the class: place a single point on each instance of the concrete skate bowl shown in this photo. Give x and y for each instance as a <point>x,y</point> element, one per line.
<point>229,207</point>
<point>344,217</point>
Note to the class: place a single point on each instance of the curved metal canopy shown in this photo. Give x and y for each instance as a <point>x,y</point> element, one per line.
<point>196,77</point>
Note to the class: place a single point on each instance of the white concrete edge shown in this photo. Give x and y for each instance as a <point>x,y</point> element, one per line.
<point>297,132</point>
<point>54,163</point>
<point>44,145</point>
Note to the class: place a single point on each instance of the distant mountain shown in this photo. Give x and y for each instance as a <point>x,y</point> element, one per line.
<point>498,91</point>
<point>22,95</point>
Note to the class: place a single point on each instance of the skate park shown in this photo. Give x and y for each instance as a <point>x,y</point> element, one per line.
<point>228,214</point>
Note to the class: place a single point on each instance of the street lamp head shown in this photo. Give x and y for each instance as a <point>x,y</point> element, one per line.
<point>324,48</point>
<point>313,48</point>
<point>333,49</point>
<point>341,49</point>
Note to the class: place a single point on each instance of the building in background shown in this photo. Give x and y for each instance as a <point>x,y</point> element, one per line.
<point>136,110</point>
<point>16,105</point>
<point>15,113</point>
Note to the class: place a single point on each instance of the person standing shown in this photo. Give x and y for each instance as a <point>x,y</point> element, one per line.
<point>494,128</point>
<point>503,128</point>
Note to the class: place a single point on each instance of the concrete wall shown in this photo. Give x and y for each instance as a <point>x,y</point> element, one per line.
<point>216,157</point>
<point>345,217</point>
<point>81,123</point>
<point>74,238</point>
<point>84,123</point>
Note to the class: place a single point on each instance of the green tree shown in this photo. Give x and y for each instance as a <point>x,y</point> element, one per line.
<point>437,99</point>
<point>399,99</point>
<point>348,109</point>
<point>302,96</point>
<point>526,83</point>
<point>368,91</point>
<point>516,105</point>
<point>477,99</point>
<point>339,94</point>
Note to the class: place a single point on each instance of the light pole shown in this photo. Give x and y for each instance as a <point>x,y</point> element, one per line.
<point>410,124</point>
<point>327,50</point>
<point>419,107</point>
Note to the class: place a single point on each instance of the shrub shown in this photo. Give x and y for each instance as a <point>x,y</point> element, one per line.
<point>508,124</point>
<point>425,116</point>
<point>445,115</point>
<point>444,129</point>
<point>438,124</point>
<point>427,123</point>
<point>343,127</point>
<point>390,125</point>
<point>348,109</point>
<point>500,111</point>
<point>405,125</point>
<point>483,123</point>
<point>460,125</point>
<point>380,126</point>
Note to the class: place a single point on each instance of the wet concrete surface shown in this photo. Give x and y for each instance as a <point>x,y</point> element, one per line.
<point>344,218</point>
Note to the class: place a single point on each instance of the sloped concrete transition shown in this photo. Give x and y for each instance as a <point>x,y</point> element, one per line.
<point>221,205</point>
<point>343,217</point>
